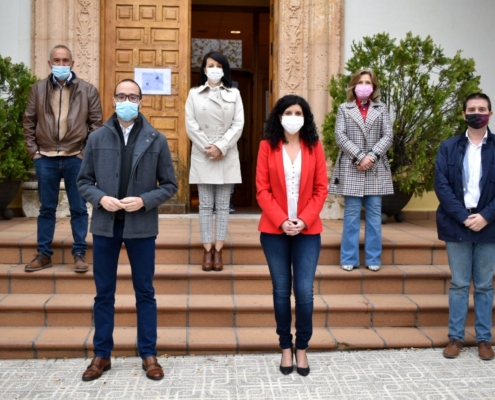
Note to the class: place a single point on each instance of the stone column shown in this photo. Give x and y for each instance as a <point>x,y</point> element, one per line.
<point>76,24</point>
<point>310,52</point>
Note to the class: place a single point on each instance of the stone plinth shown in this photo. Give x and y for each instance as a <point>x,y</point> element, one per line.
<point>31,203</point>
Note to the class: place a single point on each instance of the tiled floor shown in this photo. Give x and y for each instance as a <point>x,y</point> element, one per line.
<point>359,375</point>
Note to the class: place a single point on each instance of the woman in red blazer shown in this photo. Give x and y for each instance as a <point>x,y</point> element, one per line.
<point>291,182</point>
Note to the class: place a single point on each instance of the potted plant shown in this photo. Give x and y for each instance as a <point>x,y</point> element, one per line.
<point>423,91</point>
<point>15,84</point>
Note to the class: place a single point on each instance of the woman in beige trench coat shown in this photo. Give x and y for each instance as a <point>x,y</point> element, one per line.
<point>214,122</point>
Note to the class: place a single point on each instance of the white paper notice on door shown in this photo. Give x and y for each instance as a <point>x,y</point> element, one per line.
<point>154,80</point>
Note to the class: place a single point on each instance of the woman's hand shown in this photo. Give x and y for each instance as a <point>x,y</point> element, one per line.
<point>213,152</point>
<point>365,164</point>
<point>293,227</point>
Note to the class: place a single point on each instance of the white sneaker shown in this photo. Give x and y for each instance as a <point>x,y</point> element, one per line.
<point>348,267</point>
<point>374,267</point>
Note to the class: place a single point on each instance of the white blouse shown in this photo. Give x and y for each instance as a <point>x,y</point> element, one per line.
<point>292,174</point>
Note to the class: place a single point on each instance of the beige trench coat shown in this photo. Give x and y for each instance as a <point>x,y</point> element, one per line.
<point>218,120</point>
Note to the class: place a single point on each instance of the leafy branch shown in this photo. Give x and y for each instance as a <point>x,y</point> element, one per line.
<point>15,84</point>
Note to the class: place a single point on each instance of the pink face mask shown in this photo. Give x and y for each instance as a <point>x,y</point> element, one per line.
<point>363,91</point>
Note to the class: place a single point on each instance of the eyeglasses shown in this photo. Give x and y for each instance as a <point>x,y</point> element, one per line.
<point>121,97</point>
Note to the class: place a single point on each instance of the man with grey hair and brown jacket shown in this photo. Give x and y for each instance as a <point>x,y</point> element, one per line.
<point>62,111</point>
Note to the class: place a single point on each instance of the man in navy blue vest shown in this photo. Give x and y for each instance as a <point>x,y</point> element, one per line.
<point>127,172</point>
<point>465,187</point>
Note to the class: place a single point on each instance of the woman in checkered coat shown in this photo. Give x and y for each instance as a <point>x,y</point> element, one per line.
<point>361,173</point>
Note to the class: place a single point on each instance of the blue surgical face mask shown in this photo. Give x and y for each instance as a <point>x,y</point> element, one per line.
<point>61,72</point>
<point>126,110</point>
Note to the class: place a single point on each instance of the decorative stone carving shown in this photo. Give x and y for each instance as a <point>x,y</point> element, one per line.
<point>74,23</point>
<point>310,49</point>
<point>86,46</point>
<point>291,15</point>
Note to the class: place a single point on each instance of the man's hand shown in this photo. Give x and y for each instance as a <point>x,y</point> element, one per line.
<point>36,156</point>
<point>475,222</point>
<point>131,204</point>
<point>111,203</point>
<point>213,151</point>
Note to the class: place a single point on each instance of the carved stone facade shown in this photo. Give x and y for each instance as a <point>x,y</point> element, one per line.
<point>309,52</point>
<point>76,24</point>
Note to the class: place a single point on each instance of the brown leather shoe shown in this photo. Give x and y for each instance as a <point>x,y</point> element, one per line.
<point>96,368</point>
<point>208,259</point>
<point>40,261</point>
<point>217,260</point>
<point>453,348</point>
<point>485,351</point>
<point>80,264</point>
<point>153,369</point>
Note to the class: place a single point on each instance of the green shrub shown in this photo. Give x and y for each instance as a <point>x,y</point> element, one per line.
<point>423,91</point>
<point>15,84</point>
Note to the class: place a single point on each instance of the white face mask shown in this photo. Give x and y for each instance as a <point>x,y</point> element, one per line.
<point>292,123</point>
<point>214,74</point>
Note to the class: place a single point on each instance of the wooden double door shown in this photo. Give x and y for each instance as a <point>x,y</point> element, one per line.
<point>157,34</point>
<point>151,34</point>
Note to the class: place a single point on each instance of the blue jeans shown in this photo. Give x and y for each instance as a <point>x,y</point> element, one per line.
<point>141,254</point>
<point>471,262</point>
<point>49,172</point>
<point>349,248</point>
<point>300,252</point>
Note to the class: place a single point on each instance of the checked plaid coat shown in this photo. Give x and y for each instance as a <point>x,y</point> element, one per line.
<point>357,139</point>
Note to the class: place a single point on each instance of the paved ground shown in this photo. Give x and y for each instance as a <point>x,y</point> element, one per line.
<point>357,375</point>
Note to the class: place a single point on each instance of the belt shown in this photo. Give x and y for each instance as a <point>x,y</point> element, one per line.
<point>473,210</point>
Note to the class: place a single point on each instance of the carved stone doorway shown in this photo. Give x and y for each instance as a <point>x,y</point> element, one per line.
<point>305,47</point>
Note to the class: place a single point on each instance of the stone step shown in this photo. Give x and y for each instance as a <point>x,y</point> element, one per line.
<point>62,342</point>
<point>49,313</point>
<point>330,310</point>
<point>179,242</point>
<point>234,279</point>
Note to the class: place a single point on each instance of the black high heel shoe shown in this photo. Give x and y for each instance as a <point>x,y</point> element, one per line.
<point>287,370</point>
<point>302,371</point>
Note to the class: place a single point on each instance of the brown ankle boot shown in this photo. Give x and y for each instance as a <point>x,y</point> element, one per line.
<point>217,260</point>
<point>208,259</point>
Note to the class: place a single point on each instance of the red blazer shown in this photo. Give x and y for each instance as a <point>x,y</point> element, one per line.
<point>272,193</point>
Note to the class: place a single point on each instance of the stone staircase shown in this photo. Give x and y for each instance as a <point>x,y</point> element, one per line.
<point>48,314</point>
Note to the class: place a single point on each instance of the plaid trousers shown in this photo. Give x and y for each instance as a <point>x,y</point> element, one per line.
<point>209,195</point>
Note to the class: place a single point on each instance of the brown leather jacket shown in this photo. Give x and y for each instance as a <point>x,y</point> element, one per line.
<point>40,122</point>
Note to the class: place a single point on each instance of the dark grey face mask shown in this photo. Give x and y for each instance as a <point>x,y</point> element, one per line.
<point>477,121</point>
